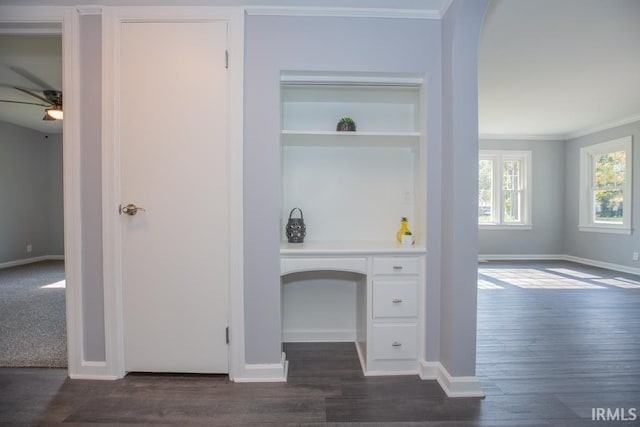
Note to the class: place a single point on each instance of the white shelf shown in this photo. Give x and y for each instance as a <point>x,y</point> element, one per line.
<point>350,134</point>
<point>302,138</point>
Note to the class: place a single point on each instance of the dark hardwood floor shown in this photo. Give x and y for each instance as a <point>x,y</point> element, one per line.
<point>554,341</point>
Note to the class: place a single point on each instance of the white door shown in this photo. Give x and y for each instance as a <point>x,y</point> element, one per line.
<point>174,165</point>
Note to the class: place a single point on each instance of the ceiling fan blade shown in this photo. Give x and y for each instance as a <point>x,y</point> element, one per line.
<point>35,95</point>
<point>22,102</point>
<point>31,77</point>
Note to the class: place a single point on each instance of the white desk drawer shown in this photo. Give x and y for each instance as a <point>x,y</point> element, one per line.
<point>295,265</point>
<point>398,298</point>
<point>395,265</point>
<point>395,342</point>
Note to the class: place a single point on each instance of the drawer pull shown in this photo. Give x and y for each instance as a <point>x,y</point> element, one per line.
<point>397,267</point>
<point>396,344</point>
<point>397,301</point>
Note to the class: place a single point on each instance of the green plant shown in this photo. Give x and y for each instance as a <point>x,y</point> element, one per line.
<point>346,120</point>
<point>408,233</point>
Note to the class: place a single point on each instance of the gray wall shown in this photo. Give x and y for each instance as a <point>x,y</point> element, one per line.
<point>556,181</point>
<point>30,193</point>
<point>458,184</point>
<point>605,247</point>
<point>308,43</point>
<point>434,48</point>
<point>91,186</point>
<point>547,216</point>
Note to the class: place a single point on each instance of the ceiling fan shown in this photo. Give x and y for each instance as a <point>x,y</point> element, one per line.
<point>51,99</point>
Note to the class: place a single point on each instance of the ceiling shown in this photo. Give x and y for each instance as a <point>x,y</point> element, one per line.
<point>558,68</point>
<point>548,69</point>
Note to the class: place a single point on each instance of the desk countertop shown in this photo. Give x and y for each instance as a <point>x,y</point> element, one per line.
<point>348,248</point>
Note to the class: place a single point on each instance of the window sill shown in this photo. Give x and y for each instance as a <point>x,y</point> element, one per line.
<point>605,229</point>
<point>511,227</point>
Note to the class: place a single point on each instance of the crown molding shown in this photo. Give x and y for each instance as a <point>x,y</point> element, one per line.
<point>601,127</point>
<point>563,137</point>
<point>345,12</point>
<point>89,10</point>
<point>520,137</point>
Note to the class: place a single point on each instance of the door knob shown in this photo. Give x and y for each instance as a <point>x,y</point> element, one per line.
<point>130,209</point>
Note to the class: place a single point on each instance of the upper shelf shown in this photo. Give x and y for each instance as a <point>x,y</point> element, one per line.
<point>386,109</point>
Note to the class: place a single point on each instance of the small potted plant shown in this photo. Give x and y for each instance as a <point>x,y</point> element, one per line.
<point>346,124</point>
<point>407,239</point>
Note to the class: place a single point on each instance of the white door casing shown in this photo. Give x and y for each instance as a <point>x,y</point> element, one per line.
<point>174,163</point>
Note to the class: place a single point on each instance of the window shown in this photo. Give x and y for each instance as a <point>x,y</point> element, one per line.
<point>504,190</point>
<point>605,186</point>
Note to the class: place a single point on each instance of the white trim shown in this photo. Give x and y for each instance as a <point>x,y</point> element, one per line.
<point>604,126</point>
<point>345,12</point>
<point>467,386</point>
<point>24,261</point>
<point>236,183</point>
<point>603,264</point>
<point>563,137</point>
<point>514,227</point>
<point>498,158</point>
<point>265,372</point>
<point>72,200</point>
<point>586,208</point>
<point>92,371</point>
<point>603,228</point>
<point>67,20</point>
<point>558,257</point>
<point>114,332</point>
<point>518,137</point>
<point>521,257</point>
<point>89,10</point>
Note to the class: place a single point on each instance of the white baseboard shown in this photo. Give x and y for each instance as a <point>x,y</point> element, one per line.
<point>570,258</point>
<point>93,371</point>
<point>453,386</point>
<point>524,257</point>
<point>264,372</point>
<point>319,335</point>
<point>602,264</point>
<point>31,260</point>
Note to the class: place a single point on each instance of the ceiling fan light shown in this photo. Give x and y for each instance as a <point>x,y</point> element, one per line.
<point>53,114</point>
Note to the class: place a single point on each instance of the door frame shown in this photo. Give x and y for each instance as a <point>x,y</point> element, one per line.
<point>113,18</point>
<point>63,21</point>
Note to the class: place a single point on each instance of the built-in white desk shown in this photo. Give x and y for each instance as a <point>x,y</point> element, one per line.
<point>389,297</point>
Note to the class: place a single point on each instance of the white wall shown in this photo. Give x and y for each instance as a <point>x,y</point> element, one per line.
<point>30,194</point>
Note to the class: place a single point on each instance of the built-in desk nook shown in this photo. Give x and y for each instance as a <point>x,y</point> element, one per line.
<point>367,292</point>
<point>350,280</point>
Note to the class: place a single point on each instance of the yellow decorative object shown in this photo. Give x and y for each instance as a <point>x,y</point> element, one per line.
<point>404,227</point>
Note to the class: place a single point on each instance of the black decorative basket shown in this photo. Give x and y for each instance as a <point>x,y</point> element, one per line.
<point>346,127</point>
<point>296,230</point>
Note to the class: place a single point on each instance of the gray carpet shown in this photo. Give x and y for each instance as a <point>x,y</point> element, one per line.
<point>32,316</point>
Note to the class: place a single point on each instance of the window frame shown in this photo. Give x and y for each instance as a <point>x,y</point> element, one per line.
<point>587,220</point>
<point>498,157</point>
